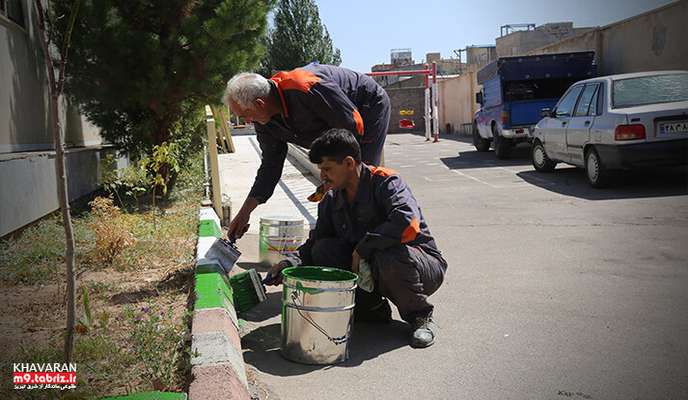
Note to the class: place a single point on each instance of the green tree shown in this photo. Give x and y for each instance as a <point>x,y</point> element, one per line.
<point>297,38</point>
<point>141,68</point>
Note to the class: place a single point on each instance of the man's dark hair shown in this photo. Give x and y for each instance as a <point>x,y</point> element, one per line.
<point>335,144</point>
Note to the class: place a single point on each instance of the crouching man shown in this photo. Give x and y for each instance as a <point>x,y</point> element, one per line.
<point>370,220</point>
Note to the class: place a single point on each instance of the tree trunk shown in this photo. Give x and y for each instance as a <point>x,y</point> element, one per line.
<point>63,197</point>
<point>55,85</point>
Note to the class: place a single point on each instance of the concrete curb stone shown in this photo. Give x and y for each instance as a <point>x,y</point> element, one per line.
<point>217,364</point>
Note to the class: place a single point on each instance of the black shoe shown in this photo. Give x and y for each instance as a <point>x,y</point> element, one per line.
<point>424,331</point>
<point>380,313</point>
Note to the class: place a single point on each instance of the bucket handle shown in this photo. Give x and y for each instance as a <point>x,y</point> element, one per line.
<point>336,340</point>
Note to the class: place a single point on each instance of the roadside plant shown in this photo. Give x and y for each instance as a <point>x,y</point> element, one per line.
<point>111,231</point>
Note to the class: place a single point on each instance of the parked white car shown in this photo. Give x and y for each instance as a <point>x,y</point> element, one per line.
<point>616,122</point>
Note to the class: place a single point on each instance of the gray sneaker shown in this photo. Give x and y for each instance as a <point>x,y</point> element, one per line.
<point>424,331</point>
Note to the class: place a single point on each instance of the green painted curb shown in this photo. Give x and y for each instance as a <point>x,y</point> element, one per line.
<point>209,269</point>
<point>149,396</point>
<point>209,227</point>
<point>212,291</point>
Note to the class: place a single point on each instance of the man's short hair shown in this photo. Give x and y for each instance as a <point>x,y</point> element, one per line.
<point>335,144</point>
<point>244,88</point>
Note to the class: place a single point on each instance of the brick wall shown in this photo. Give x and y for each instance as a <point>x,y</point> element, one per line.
<point>407,99</point>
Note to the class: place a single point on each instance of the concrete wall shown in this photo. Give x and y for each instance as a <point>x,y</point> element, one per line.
<point>27,165</point>
<point>29,189</point>
<point>480,55</point>
<point>588,41</point>
<point>24,97</point>
<point>407,99</point>
<point>457,100</point>
<point>654,40</point>
<point>408,82</point>
<point>521,42</point>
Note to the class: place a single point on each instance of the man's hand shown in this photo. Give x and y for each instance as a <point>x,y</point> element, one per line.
<point>239,224</point>
<point>355,262</point>
<point>275,274</point>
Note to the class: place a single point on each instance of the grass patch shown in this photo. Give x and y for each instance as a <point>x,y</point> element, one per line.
<point>34,257</point>
<point>134,330</point>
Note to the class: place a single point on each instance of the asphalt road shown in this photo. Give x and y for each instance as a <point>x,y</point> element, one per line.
<point>554,290</point>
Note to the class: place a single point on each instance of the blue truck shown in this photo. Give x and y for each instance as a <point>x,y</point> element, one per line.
<point>516,89</point>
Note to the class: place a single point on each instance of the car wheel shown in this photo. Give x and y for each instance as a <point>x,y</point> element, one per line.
<point>502,146</point>
<point>541,161</point>
<point>482,145</point>
<point>598,176</point>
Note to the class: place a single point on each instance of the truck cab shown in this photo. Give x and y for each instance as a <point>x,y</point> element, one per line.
<point>515,89</point>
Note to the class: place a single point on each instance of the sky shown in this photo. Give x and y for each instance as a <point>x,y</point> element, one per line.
<point>365,31</point>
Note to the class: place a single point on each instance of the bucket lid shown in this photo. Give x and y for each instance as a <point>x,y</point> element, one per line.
<point>319,274</point>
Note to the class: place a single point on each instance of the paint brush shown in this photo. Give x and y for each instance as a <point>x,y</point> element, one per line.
<point>247,290</point>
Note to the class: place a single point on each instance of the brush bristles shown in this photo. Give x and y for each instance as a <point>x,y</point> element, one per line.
<point>247,290</point>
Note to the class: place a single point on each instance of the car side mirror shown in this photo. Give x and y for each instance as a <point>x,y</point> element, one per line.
<point>546,113</point>
<point>479,98</point>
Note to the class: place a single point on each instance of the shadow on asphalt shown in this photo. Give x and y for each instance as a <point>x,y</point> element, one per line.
<point>261,347</point>
<point>455,137</point>
<point>662,182</point>
<point>520,155</point>
<point>449,136</point>
<point>570,181</point>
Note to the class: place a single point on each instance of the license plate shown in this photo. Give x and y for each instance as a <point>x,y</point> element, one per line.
<point>668,128</point>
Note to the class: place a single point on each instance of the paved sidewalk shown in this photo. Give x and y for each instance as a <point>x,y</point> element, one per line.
<point>238,170</point>
<point>270,374</point>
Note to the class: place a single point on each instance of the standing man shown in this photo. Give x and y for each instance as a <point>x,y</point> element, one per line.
<point>297,107</point>
<point>372,220</point>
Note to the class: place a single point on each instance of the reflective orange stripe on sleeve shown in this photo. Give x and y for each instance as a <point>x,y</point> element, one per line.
<point>359,122</point>
<point>411,231</point>
<point>382,171</point>
<point>297,79</point>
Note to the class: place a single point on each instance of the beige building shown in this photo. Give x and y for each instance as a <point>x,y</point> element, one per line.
<point>655,40</point>
<point>27,157</point>
<point>522,41</point>
<point>480,55</point>
<point>402,60</point>
<point>457,101</point>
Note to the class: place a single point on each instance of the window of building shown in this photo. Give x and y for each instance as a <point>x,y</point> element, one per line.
<point>12,10</point>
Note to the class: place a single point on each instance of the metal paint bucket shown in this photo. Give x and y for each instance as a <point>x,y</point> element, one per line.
<point>279,238</point>
<point>317,314</point>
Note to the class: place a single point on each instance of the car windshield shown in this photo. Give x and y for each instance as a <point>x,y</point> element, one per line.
<point>650,90</point>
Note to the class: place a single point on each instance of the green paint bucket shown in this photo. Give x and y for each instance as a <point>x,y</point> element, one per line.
<point>317,314</point>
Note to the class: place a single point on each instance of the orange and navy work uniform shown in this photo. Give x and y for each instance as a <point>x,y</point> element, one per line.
<point>384,214</point>
<point>313,99</point>
<point>385,225</point>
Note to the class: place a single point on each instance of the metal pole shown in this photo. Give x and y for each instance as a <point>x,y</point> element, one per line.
<point>206,182</point>
<point>427,114</point>
<point>435,111</point>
